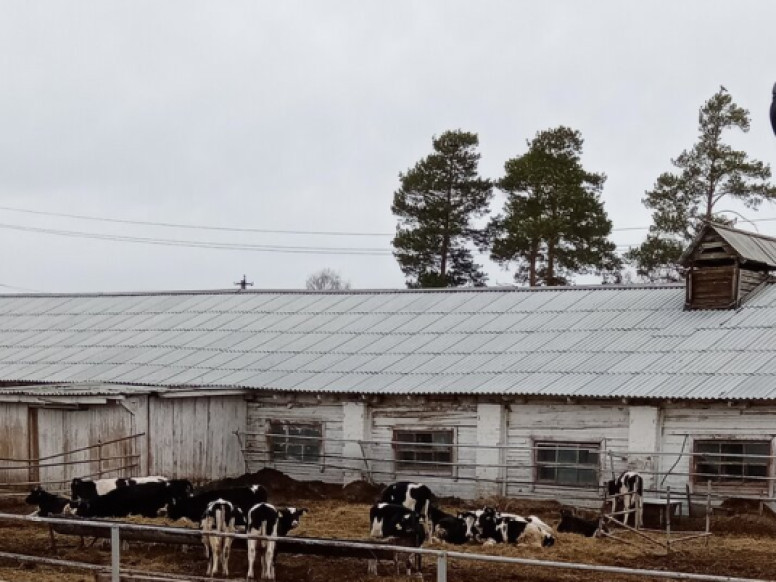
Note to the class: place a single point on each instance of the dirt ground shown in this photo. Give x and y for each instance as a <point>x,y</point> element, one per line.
<point>742,545</point>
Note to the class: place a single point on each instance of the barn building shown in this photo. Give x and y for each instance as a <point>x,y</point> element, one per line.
<point>542,391</point>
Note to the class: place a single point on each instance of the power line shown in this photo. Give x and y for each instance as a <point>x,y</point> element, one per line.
<point>204,244</point>
<point>193,226</point>
<point>16,288</point>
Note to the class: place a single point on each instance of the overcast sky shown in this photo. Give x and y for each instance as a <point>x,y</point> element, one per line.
<point>300,115</point>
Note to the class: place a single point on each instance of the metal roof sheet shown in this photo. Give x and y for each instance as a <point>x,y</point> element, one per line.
<point>602,342</point>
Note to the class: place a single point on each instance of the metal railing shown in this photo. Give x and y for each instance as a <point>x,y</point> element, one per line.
<point>443,557</point>
<point>378,458</point>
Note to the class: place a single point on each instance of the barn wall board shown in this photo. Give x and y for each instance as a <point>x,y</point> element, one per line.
<point>14,440</point>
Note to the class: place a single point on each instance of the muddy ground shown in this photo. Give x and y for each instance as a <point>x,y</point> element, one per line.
<point>743,545</point>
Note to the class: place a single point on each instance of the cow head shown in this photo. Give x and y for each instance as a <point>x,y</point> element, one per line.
<point>289,519</point>
<point>35,496</point>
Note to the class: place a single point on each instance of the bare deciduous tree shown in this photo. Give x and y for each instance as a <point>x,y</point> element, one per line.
<point>326,280</point>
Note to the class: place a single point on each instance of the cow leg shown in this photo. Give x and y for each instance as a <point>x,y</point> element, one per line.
<point>639,512</point>
<point>252,543</point>
<point>371,567</point>
<point>227,548</point>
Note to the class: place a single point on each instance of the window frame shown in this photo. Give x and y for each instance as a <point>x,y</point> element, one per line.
<point>290,440</point>
<point>595,447</point>
<point>425,467</point>
<point>700,476</point>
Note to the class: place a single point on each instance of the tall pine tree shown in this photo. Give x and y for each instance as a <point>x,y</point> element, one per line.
<point>554,224</point>
<point>708,173</point>
<point>435,204</point>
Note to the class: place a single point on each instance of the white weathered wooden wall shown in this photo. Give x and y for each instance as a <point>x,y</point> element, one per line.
<point>194,438</point>
<point>403,414</point>
<point>14,440</point>
<point>606,424</point>
<point>683,424</point>
<point>301,408</point>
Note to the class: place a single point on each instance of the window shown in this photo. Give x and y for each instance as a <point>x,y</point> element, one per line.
<point>567,463</point>
<point>731,462</point>
<point>424,451</point>
<point>294,441</point>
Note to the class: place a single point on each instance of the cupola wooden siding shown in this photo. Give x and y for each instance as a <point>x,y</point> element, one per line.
<point>724,265</point>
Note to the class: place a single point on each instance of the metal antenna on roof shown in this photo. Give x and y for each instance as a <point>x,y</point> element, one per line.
<point>243,283</point>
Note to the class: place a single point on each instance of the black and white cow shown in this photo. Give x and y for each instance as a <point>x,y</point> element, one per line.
<point>266,520</point>
<point>82,489</point>
<point>448,528</point>
<point>490,527</point>
<point>629,488</point>
<point>193,507</point>
<point>414,496</point>
<point>146,499</point>
<point>570,523</point>
<point>480,524</point>
<point>395,520</point>
<point>48,503</point>
<point>220,516</point>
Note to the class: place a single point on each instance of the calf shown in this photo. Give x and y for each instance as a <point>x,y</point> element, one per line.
<point>48,503</point>
<point>265,520</point>
<point>630,488</point>
<point>480,524</point>
<point>447,528</point>
<point>193,508</point>
<point>414,496</point>
<point>220,516</point>
<point>395,520</point>
<point>145,499</point>
<point>570,523</point>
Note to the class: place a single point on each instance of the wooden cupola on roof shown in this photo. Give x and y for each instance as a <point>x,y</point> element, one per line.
<point>724,265</point>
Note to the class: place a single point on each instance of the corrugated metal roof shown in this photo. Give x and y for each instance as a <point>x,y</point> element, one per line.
<point>750,246</point>
<point>602,342</point>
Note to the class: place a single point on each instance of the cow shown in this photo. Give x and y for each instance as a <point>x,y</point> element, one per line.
<point>129,481</point>
<point>193,507</point>
<point>84,489</point>
<point>266,520</point>
<point>570,523</point>
<point>414,496</point>
<point>447,528</point>
<point>491,527</point>
<point>480,524</point>
<point>396,520</point>
<point>146,499</point>
<point>629,487</point>
<point>48,503</point>
<point>220,516</point>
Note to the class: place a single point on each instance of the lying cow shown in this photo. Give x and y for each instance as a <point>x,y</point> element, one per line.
<point>491,527</point>
<point>394,520</point>
<point>414,496</point>
<point>628,487</point>
<point>265,520</point>
<point>48,503</point>
<point>146,499</point>
<point>220,516</point>
<point>570,523</point>
<point>448,528</point>
<point>193,507</point>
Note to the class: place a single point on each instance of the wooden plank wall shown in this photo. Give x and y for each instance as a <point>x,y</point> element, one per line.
<point>684,423</point>
<point>606,424</point>
<point>399,413</point>
<point>193,438</point>
<point>14,440</point>
<point>300,408</point>
<point>61,429</point>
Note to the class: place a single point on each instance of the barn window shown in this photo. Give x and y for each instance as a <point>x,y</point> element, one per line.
<point>731,462</point>
<point>294,441</point>
<point>567,463</point>
<point>424,451</point>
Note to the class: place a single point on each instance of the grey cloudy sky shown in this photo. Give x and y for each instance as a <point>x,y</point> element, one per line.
<point>300,115</point>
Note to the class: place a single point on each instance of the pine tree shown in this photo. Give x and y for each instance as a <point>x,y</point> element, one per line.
<point>436,203</point>
<point>706,174</point>
<point>554,224</point>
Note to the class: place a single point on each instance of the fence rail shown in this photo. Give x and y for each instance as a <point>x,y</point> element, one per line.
<point>443,557</point>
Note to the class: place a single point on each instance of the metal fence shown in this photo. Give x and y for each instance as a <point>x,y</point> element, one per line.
<point>128,463</point>
<point>443,557</point>
<point>377,462</point>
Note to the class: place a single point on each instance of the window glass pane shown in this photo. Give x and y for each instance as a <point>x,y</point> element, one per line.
<point>763,449</point>
<point>546,474</point>
<point>567,463</point>
<point>733,463</point>
<point>424,451</point>
<point>567,456</point>
<point>545,455</point>
<point>294,441</point>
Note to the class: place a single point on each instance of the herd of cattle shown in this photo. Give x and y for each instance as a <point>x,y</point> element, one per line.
<point>405,510</point>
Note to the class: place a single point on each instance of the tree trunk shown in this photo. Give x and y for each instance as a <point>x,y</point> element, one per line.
<point>532,266</point>
<point>550,278</point>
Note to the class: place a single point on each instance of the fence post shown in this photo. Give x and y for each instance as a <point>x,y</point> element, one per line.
<point>115,556</point>
<point>668,519</point>
<point>442,567</point>
<point>99,459</point>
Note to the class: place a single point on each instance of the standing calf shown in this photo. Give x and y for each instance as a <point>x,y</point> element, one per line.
<point>220,516</point>
<point>414,496</point>
<point>394,520</point>
<point>265,520</point>
<point>630,488</point>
